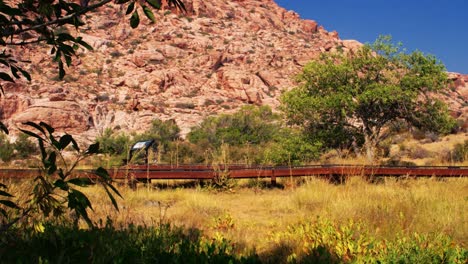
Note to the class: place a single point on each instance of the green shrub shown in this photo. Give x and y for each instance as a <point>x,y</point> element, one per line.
<point>293,148</point>
<point>163,132</point>
<point>22,148</point>
<point>25,147</point>
<point>166,137</point>
<point>459,152</point>
<point>255,135</point>
<point>247,133</point>
<point>251,124</point>
<point>183,152</point>
<point>6,148</point>
<point>114,144</point>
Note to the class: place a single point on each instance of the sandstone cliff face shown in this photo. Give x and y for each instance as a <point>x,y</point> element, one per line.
<point>215,58</point>
<point>457,99</point>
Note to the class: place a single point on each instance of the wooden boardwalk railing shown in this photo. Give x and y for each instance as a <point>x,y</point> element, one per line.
<point>193,172</point>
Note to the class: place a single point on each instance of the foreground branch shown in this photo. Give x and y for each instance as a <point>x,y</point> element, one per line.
<point>58,20</point>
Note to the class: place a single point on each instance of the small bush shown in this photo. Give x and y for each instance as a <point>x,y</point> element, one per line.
<point>6,148</point>
<point>25,147</point>
<point>292,148</point>
<point>418,134</point>
<point>116,54</point>
<point>114,144</point>
<point>385,148</point>
<point>250,125</point>
<point>163,132</point>
<point>432,136</point>
<point>418,152</point>
<point>459,152</point>
<point>185,105</point>
<point>102,97</point>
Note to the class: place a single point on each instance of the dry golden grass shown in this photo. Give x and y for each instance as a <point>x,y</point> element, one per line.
<point>250,216</point>
<point>447,142</point>
<point>406,149</point>
<point>436,153</point>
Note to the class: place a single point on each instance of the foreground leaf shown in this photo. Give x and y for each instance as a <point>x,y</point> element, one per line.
<point>149,14</point>
<point>135,19</point>
<point>111,197</point>
<point>9,203</point>
<point>154,3</point>
<point>82,182</point>
<point>3,128</point>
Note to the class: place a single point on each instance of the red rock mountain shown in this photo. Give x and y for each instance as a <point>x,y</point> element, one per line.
<point>215,58</point>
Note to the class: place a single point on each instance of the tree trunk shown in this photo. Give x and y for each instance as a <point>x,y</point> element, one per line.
<point>370,147</point>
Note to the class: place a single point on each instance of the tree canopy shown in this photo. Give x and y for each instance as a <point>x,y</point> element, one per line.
<point>349,99</point>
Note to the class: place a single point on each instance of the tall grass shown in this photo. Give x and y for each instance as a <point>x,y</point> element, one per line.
<point>404,219</point>
<point>388,208</point>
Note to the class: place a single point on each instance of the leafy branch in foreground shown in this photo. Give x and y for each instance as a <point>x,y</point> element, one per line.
<point>56,186</point>
<point>37,21</point>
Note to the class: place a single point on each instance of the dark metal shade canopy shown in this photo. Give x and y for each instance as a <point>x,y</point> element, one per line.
<point>141,145</point>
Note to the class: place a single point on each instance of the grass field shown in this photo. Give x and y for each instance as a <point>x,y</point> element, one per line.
<point>252,211</point>
<point>300,217</point>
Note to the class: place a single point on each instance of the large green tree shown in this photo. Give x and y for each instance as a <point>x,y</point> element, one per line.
<point>350,98</point>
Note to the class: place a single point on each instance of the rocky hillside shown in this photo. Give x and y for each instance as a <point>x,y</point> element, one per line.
<point>215,58</point>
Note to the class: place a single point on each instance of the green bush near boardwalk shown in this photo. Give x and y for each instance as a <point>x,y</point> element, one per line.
<point>22,148</point>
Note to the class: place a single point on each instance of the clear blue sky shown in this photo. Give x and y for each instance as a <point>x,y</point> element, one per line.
<point>434,27</point>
